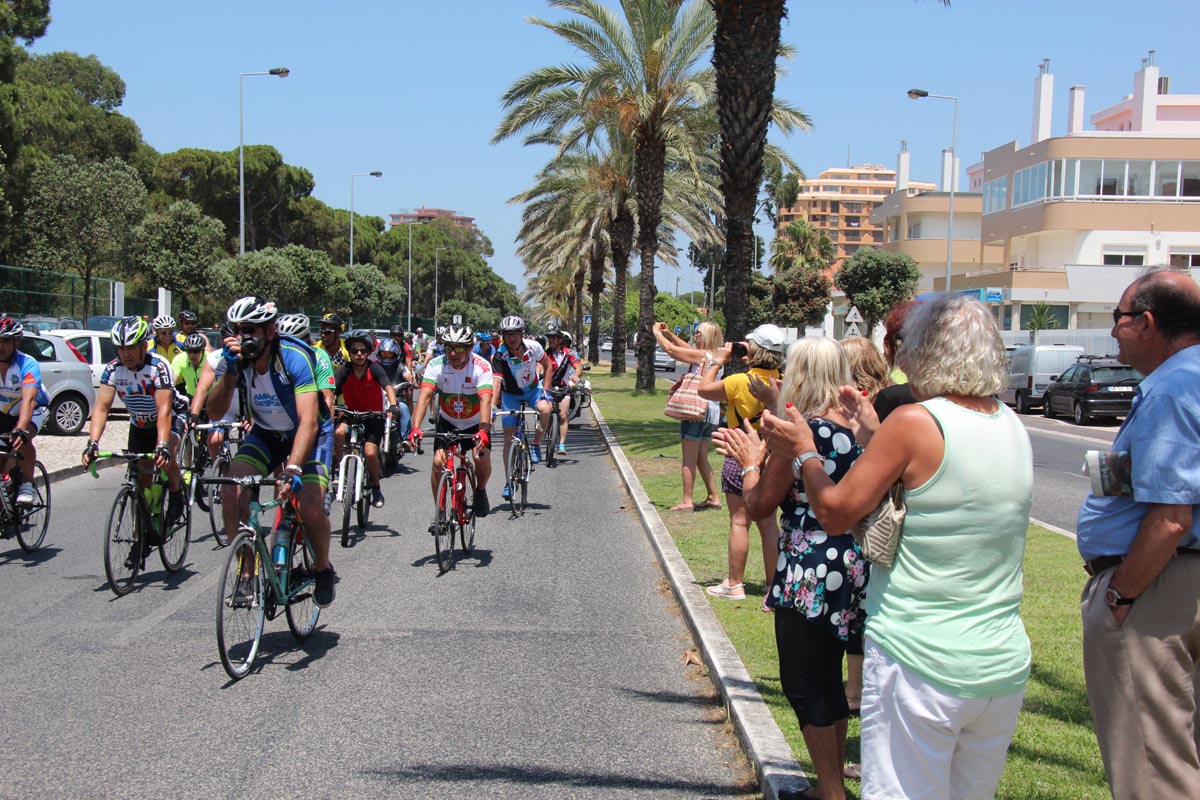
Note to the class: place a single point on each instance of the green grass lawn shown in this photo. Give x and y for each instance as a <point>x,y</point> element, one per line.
<point>1054,752</point>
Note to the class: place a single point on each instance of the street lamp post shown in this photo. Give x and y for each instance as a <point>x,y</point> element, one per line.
<point>436,253</point>
<point>917,94</point>
<point>375,174</point>
<point>282,72</point>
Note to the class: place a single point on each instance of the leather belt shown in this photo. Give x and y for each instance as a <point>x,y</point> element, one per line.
<point>1098,565</point>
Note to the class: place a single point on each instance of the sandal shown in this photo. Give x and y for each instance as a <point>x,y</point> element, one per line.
<point>709,504</point>
<point>852,772</point>
<point>736,591</point>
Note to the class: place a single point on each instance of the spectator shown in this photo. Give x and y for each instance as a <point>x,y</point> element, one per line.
<point>1140,628</point>
<point>695,437</point>
<point>763,354</point>
<point>947,657</point>
<point>820,576</point>
<point>899,393</point>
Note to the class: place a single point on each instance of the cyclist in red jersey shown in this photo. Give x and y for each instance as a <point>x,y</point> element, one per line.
<point>362,385</point>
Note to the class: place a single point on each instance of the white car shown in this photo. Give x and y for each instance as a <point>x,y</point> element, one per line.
<point>606,346</point>
<point>66,378</point>
<point>97,349</point>
<point>663,361</point>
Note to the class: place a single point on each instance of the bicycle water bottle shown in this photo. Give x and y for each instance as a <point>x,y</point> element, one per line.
<point>154,495</point>
<point>283,543</point>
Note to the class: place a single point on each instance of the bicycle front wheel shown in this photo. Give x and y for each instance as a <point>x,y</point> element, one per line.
<point>35,518</point>
<point>349,485</point>
<point>515,460</point>
<point>524,467</point>
<point>218,469</point>
<point>240,610</point>
<point>302,610</point>
<point>552,442</point>
<point>123,543</point>
<point>466,531</point>
<point>443,522</point>
<point>175,544</point>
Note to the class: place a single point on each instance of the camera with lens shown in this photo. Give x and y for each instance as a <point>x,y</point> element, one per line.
<point>251,347</point>
<point>739,350</point>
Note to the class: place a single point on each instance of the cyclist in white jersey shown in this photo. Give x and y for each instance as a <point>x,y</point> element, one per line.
<point>516,366</point>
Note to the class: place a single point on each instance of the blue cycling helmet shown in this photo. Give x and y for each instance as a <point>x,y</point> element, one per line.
<point>388,351</point>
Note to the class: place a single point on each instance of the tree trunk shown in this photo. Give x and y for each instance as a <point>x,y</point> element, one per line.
<point>595,288</point>
<point>621,238</point>
<point>745,47</point>
<point>649,165</point>
<point>577,306</point>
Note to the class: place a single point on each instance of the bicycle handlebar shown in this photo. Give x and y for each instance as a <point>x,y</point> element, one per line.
<point>123,455</point>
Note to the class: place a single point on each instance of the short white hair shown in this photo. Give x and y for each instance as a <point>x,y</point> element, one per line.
<point>816,369</point>
<point>951,346</point>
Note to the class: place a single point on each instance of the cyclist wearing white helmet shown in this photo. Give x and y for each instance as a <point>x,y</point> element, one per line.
<point>462,383</point>
<point>188,365</point>
<point>292,427</point>
<point>516,366</point>
<point>566,370</point>
<point>143,381</point>
<point>208,375</point>
<point>164,338</point>
<point>22,404</point>
<point>297,325</point>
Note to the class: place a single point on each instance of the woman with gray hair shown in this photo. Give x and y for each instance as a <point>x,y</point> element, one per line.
<point>947,657</point>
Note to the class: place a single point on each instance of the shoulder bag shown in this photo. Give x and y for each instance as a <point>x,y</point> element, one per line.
<point>684,401</point>
<point>878,533</point>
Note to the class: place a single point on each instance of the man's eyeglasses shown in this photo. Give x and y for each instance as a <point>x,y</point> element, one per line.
<point>359,351</point>
<point>456,348</point>
<point>1118,313</point>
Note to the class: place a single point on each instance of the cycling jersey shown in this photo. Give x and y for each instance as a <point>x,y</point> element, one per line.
<point>458,389</point>
<point>185,373</point>
<point>337,357</point>
<point>23,372</point>
<point>324,369</point>
<point>489,353</point>
<point>365,393</point>
<point>137,387</point>
<point>271,397</point>
<point>217,362</point>
<point>169,352</point>
<point>519,373</point>
<point>560,361</point>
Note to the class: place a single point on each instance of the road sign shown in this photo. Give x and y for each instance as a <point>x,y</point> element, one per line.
<point>678,329</point>
<point>852,330</point>
<point>457,319</point>
<point>587,319</point>
<point>853,316</point>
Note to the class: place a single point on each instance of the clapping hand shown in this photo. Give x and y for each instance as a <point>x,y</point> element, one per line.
<point>788,435</point>
<point>743,445</point>
<point>860,413</point>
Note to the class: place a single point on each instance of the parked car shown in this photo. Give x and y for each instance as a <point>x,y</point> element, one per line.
<point>606,345</point>
<point>40,324</point>
<point>1092,387</point>
<point>1032,368</point>
<point>100,323</point>
<point>663,361</point>
<point>97,349</point>
<point>67,379</point>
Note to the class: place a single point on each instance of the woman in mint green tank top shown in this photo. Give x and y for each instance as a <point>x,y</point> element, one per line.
<point>947,657</point>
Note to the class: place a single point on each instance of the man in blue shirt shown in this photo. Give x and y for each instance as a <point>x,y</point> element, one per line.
<point>1141,607</point>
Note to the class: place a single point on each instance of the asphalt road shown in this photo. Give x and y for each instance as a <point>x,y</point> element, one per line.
<point>1059,483</point>
<point>550,664</point>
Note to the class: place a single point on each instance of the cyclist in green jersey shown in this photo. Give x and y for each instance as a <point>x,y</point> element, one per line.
<point>187,366</point>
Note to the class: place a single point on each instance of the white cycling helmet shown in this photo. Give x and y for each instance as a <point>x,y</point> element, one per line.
<point>254,309</point>
<point>129,331</point>
<point>512,323</point>
<point>456,334</point>
<point>293,325</point>
<point>164,322</point>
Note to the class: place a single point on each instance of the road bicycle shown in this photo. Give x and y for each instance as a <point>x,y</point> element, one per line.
<point>27,522</point>
<point>551,438</point>
<point>352,470</point>
<point>454,516</point>
<point>138,523</point>
<point>255,587</point>
<point>391,449</point>
<point>520,464</point>
<point>217,467</point>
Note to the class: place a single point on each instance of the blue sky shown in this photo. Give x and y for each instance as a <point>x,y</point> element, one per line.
<point>413,88</point>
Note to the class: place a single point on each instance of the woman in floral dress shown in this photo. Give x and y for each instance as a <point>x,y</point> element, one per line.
<point>820,580</point>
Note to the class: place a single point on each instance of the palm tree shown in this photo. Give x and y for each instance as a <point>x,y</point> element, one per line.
<point>801,244</point>
<point>643,77</point>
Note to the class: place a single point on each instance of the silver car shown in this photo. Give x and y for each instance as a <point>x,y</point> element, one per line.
<point>663,361</point>
<point>66,377</point>
<point>97,350</point>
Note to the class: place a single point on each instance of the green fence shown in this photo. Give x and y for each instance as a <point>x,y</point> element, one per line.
<point>28,292</point>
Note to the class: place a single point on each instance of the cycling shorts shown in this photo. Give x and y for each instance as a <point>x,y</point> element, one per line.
<point>512,402</point>
<point>372,430</point>
<point>143,440</point>
<point>266,450</point>
<point>9,421</point>
<point>444,427</point>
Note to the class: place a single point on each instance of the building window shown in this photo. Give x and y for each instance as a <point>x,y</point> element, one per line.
<point>1187,258</point>
<point>914,230</point>
<point>1189,173</point>
<point>1138,179</point>
<point>1089,176</point>
<point>995,195</point>
<point>1123,258</point>
<point>1166,178</point>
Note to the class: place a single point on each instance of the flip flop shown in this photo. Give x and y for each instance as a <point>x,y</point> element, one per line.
<point>852,772</point>
<point>703,506</point>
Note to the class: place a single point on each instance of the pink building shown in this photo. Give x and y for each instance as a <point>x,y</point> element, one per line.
<point>423,215</point>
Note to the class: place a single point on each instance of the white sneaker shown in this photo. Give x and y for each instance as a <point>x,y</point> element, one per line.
<point>26,496</point>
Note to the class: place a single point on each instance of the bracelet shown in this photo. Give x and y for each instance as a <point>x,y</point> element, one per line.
<point>162,443</point>
<point>749,469</point>
<point>292,468</point>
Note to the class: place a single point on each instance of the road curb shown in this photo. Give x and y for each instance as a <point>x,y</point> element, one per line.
<point>63,473</point>
<point>760,736</point>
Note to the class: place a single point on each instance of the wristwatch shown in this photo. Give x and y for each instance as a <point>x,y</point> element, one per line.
<point>798,462</point>
<point>1114,598</point>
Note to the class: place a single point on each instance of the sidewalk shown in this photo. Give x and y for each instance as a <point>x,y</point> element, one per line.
<point>61,454</point>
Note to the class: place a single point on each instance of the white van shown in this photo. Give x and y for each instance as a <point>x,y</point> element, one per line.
<point>1032,368</point>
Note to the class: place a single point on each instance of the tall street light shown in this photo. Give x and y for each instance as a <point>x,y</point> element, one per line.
<point>375,174</point>
<point>282,72</point>
<point>409,225</point>
<point>917,94</point>
<point>436,253</point>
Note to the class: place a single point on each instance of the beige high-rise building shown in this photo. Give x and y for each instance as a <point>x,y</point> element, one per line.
<point>839,202</point>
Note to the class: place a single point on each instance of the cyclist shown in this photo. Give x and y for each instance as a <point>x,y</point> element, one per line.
<point>362,385</point>
<point>397,335</point>
<point>164,338</point>
<point>188,365</point>
<point>435,348</point>
<point>331,342</point>
<point>22,403</point>
<point>462,382</point>
<point>142,379</point>
<point>187,326</point>
<point>297,325</point>
<point>566,370</point>
<point>516,366</point>
<point>208,375</point>
<point>291,426</point>
<point>397,372</point>
<point>484,346</point>
<point>420,341</point>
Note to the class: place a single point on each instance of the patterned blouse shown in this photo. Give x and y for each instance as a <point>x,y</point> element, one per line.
<point>821,576</point>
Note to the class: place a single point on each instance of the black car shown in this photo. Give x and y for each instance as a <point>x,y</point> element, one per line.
<point>1092,387</point>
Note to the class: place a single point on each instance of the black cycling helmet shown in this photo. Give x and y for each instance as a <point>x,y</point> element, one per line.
<point>363,336</point>
<point>335,320</point>
<point>188,316</point>
<point>553,330</point>
<point>194,343</point>
<point>396,332</point>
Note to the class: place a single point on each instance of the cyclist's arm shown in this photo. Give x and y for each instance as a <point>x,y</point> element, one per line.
<point>423,405</point>
<point>29,395</point>
<point>162,402</point>
<point>306,428</point>
<point>203,385</point>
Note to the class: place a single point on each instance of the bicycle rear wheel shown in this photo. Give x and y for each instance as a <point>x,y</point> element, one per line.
<point>35,518</point>
<point>523,470</point>
<point>362,508</point>
<point>349,480</point>
<point>218,469</point>
<point>552,442</point>
<point>443,522</point>
<point>240,615</point>
<point>515,459</point>
<point>302,610</point>
<point>175,544</point>
<point>123,546</point>
<point>467,529</point>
